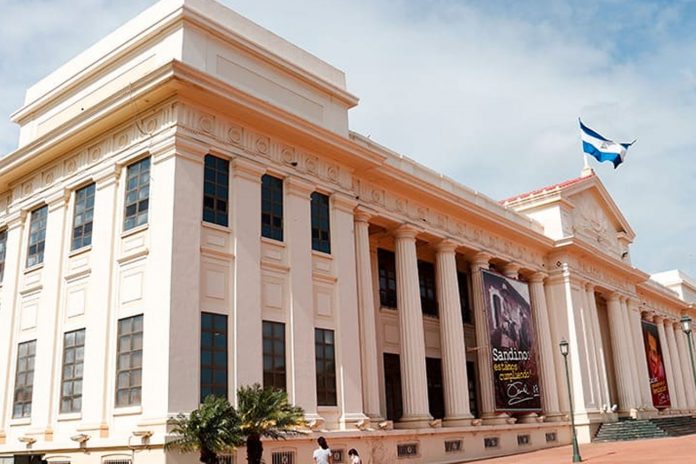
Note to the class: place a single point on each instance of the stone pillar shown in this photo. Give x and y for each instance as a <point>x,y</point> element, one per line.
<point>366,306</point>
<point>414,381</point>
<point>687,377</point>
<point>667,360</point>
<point>621,361</point>
<point>349,376</point>
<point>641,360</point>
<point>631,353</point>
<point>604,397</point>
<point>676,364</point>
<point>549,387</point>
<point>302,383</point>
<point>246,320</point>
<point>483,352</point>
<point>454,375</point>
<point>590,347</point>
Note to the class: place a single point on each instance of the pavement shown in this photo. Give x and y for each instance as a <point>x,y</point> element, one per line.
<point>670,450</point>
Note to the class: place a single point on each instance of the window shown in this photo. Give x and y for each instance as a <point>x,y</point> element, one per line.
<point>83,216</point>
<point>436,395</point>
<point>73,360</point>
<point>426,280</point>
<point>463,281</point>
<point>321,234</point>
<point>392,386</point>
<point>129,363</point>
<point>3,249</point>
<point>213,355</point>
<point>37,236</point>
<point>137,194</point>
<point>326,367</point>
<point>386,264</point>
<point>274,355</point>
<point>272,207</point>
<point>216,183</point>
<point>24,379</point>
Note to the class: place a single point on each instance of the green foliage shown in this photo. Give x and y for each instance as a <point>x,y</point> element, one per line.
<point>211,429</point>
<point>267,413</point>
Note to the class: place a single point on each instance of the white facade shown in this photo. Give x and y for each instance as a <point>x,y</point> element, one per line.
<point>190,78</point>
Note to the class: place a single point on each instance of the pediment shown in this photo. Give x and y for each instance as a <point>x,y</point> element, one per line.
<point>597,219</point>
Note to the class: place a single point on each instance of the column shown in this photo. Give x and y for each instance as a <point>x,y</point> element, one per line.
<point>549,387</point>
<point>667,359</point>
<point>631,353</point>
<point>590,347</point>
<point>604,397</point>
<point>414,382</point>
<point>366,307</point>
<point>246,321</point>
<point>483,352</point>
<point>302,383</point>
<point>641,361</point>
<point>454,375</point>
<point>676,364</point>
<point>687,378</point>
<point>349,377</point>
<point>621,361</point>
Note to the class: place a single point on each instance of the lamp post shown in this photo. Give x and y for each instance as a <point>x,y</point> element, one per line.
<point>576,450</point>
<point>686,327</point>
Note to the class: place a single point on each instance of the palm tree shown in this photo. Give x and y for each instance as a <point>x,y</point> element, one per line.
<point>265,413</point>
<point>211,429</point>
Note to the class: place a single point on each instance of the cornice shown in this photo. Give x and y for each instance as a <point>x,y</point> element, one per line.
<point>574,246</point>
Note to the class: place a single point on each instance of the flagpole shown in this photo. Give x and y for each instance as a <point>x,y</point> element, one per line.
<point>586,169</point>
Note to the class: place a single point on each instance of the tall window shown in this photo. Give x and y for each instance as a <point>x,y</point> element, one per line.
<point>326,367</point>
<point>137,201</point>
<point>272,207</point>
<point>274,355</point>
<point>436,396</point>
<point>392,386</point>
<point>321,233</point>
<point>426,280</point>
<point>216,190</point>
<point>3,250</point>
<point>24,379</point>
<point>37,236</point>
<point>82,219</point>
<point>213,355</point>
<point>386,264</point>
<point>73,362</point>
<point>463,281</point>
<point>129,363</point>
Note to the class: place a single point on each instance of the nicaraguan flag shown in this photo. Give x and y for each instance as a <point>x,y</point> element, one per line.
<point>601,147</point>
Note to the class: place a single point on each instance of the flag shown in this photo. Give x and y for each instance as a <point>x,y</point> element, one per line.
<point>601,147</point>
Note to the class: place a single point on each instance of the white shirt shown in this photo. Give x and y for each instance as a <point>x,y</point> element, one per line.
<point>321,456</point>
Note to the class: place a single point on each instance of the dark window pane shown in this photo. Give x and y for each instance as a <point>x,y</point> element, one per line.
<point>24,379</point>
<point>274,355</point>
<point>325,367</point>
<point>213,379</point>
<point>215,190</point>
<point>321,223</point>
<point>272,207</point>
<point>386,265</point>
<point>426,279</point>
<point>129,361</point>
<point>82,219</point>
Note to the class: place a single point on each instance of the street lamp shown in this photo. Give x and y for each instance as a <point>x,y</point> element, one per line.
<point>576,451</point>
<point>686,327</point>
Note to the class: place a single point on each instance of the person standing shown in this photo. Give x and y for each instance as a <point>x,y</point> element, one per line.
<point>322,455</point>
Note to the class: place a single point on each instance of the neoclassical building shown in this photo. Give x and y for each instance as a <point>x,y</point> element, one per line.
<point>187,212</point>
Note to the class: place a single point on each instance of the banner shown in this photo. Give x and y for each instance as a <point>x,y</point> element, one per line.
<point>513,344</point>
<point>656,366</point>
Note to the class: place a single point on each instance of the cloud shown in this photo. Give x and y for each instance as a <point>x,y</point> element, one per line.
<point>486,92</point>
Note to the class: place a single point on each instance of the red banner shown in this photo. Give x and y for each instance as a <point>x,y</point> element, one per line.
<point>656,366</point>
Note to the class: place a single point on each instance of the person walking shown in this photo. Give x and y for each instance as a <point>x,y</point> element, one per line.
<point>322,455</point>
<point>354,456</point>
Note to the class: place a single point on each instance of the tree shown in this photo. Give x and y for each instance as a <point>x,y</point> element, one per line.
<point>265,413</point>
<point>211,429</point>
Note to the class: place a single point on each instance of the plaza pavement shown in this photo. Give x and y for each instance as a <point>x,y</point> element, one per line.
<point>671,450</point>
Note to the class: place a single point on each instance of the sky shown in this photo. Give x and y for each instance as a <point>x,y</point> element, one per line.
<point>487,92</point>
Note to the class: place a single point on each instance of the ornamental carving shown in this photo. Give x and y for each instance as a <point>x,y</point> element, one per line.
<point>592,223</point>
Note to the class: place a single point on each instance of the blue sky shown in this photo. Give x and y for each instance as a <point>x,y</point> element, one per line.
<point>487,92</point>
